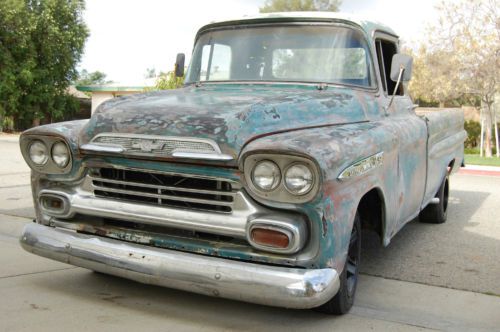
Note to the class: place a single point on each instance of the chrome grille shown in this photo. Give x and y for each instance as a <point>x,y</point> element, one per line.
<point>155,145</point>
<point>168,190</point>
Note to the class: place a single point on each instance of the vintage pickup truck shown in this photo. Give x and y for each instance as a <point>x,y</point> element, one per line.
<point>292,133</point>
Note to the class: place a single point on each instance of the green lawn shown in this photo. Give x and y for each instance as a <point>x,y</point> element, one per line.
<point>475,159</point>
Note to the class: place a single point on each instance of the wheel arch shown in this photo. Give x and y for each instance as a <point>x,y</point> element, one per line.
<point>372,211</point>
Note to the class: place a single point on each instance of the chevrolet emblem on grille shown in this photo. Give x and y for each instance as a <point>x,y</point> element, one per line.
<point>147,145</point>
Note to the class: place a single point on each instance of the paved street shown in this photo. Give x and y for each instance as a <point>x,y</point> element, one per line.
<point>430,277</point>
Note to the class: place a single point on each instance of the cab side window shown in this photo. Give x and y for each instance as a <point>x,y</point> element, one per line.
<point>385,51</point>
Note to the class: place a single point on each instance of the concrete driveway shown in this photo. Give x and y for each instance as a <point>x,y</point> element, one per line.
<point>442,277</point>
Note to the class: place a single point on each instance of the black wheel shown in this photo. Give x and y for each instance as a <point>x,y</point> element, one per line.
<point>343,300</point>
<point>438,212</point>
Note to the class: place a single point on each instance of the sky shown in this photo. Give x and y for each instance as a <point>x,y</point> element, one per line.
<point>128,36</point>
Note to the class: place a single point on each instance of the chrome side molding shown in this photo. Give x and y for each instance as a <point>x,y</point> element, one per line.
<point>363,166</point>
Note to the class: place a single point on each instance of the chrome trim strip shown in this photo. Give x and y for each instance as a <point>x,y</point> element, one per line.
<point>108,148</point>
<point>362,166</point>
<point>261,284</point>
<point>204,156</point>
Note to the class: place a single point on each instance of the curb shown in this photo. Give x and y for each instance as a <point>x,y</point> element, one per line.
<point>480,170</point>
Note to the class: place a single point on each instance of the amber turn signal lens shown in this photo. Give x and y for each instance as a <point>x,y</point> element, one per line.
<point>270,238</point>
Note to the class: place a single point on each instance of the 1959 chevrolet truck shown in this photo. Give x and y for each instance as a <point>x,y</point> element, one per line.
<point>293,132</point>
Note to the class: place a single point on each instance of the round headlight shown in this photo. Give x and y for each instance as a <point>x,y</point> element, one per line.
<point>266,175</point>
<point>299,179</point>
<point>60,154</point>
<point>38,153</point>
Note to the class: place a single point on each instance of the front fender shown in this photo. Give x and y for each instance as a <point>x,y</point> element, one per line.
<point>334,149</point>
<point>70,132</point>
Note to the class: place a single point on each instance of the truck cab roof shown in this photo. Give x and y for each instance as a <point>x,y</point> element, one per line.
<point>368,26</point>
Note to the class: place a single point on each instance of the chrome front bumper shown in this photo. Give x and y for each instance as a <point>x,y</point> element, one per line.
<point>262,284</point>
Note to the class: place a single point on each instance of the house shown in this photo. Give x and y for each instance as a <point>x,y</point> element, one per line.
<point>101,93</point>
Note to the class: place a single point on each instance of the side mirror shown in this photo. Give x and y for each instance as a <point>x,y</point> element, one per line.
<point>401,61</point>
<point>179,65</point>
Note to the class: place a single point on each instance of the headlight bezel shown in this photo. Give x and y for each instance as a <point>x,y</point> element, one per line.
<point>281,194</point>
<point>50,166</point>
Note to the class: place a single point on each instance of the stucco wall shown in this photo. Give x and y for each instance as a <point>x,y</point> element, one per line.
<point>98,97</point>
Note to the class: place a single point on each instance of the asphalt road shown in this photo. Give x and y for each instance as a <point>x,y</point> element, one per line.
<point>442,277</point>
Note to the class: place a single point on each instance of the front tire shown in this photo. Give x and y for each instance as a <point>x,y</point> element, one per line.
<point>342,302</point>
<point>437,213</point>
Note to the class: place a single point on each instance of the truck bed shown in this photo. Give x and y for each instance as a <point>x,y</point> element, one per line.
<point>446,135</point>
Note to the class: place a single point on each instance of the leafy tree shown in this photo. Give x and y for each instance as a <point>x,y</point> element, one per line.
<point>462,58</point>
<point>271,6</point>
<point>473,130</point>
<point>40,44</point>
<point>91,78</point>
<point>58,37</point>
<point>150,73</point>
<point>167,81</point>
<point>16,58</point>
<point>434,77</point>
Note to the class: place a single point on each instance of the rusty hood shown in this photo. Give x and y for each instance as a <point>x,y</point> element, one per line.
<point>231,115</point>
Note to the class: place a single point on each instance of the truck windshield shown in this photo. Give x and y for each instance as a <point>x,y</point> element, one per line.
<point>293,53</point>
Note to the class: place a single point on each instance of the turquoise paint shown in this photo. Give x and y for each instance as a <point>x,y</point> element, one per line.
<point>334,127</point>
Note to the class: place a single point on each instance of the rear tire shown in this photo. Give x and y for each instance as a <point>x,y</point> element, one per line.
<point>437,213</point>
<point>342,302</point>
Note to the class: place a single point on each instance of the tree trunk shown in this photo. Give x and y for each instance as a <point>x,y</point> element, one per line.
<point>441,104</point>
<point>495,129</point>
<point>487,130</point>
<point>36,116</point>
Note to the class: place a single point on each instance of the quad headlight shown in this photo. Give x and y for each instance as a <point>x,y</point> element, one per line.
<point>266,175</point>
<point>46,154</point>
<point>282,178</point>
<point>38,153</point>
<point>60,154</point>
<point>299,179</point>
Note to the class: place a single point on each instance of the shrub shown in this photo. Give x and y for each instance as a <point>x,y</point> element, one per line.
<point>471,151</point>
<point>473,130</point>
<point>7,124</point>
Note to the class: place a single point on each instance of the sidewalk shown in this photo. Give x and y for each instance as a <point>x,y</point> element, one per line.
<point>11,138</point>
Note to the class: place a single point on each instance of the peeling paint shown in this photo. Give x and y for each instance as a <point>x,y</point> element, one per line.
<point>335,127</point>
